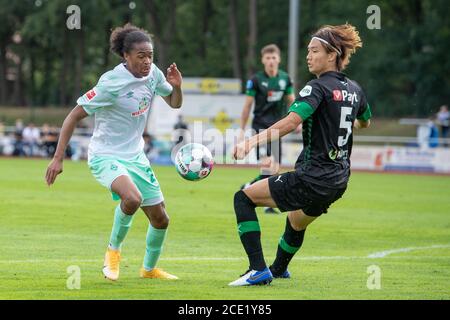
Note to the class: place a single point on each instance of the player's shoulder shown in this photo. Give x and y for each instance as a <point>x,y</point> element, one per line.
<point>315,83</point>
<point>259,75</point>
<point>156,74</point>
<point>282,74</point>
<point>155,71</point>
<point>312,87</point>
<point>355,84</point>
<point>254,79</point>
<point>114,80</point>
<point>356,88</point>
<point>327,82</point>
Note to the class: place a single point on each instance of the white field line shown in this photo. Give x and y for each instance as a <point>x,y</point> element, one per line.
<point>375,255</point>
<point>385,253</point>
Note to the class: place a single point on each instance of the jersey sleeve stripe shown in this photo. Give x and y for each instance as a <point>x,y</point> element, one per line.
<point>250,92</point>
<point>303,109</point>
<point>366,115</point>
<point>289,90</point>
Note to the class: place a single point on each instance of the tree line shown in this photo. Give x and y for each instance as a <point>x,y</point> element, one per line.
<point>403,66</point>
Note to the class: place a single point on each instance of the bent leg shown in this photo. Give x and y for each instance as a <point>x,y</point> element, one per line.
<point>157,215</point>
<point>245,202</point>
<point>299,220</point>
<point>130,201</point>
<point>156,234</point>
<point>290,242</point>
<point>129,194</point>
<point>259,194</point>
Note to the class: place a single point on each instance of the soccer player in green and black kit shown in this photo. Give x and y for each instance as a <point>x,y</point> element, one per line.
<point>329,108</point>
<point>271,92</point>
<point>121,102</point>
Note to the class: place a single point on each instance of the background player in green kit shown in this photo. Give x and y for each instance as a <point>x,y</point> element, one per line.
<point>329,107</point>
<point>271,91</point>
<point>120,102</point>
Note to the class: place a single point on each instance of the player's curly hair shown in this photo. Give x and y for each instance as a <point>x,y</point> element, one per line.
<point>345,38</point>
<point>123,38</point>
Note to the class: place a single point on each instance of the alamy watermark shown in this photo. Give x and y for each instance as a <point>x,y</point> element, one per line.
<point>374,279</point>
<point>374,20</point>
<point>74,280</point>
<point>74,20</point>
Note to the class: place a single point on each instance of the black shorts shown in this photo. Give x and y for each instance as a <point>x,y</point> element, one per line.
<point>268,149</point>
<point>291,193</point>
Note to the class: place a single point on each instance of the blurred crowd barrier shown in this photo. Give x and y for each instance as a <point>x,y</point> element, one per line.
<point>415,154</point>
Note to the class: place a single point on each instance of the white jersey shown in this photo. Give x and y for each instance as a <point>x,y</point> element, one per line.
<point>121,104</point>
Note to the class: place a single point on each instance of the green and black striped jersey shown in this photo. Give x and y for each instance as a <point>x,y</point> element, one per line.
<point>328,107</point>
<point>269,93</point>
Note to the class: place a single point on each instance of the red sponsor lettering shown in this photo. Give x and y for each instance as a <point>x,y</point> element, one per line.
<point>91,94</point>
<point>337,95</point>
<point>138,113</point>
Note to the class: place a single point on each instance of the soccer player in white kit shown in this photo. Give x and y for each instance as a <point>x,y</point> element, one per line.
<point>120,102</point>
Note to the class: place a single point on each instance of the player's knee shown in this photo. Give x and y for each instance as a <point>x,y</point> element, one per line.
<point>161,221</point>
<point>132,202</point>
<point>297,226</point>
<point>243,206</point>
<point>241,198</point>
<point>300,222</point>
<point>293,235</point>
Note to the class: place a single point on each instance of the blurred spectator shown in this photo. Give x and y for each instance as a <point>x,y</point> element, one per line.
<point>428,134</point>
<point>18,144</point>
<point>2,136</point>
<point>443,117</point>
<point>434,133</point>
<point>18,141</point>
<point>54,132</point>
<point>149,146</point>
<point>19,126</point>
<point>84,129</point>
<point>49,138</point>
<point>180,131</point>
<point>31,138</point>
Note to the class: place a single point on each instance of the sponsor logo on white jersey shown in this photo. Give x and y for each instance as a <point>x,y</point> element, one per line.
<point>144,105</point>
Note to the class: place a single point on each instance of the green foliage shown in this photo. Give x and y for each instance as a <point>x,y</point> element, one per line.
<point>403,66</point>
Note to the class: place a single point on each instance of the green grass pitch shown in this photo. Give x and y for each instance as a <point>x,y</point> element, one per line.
<point>44,231</point>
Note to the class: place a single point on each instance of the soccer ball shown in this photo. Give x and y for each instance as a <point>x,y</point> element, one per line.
<point>194,162</point>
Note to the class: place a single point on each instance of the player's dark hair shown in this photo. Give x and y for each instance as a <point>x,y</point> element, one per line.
<point>123,38</point>
<point>345,38</point>
<point>270,48</point>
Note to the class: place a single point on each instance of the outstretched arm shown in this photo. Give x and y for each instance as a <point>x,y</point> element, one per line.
<point>245,115</point>
<point>276,131</point>
<point>290,99</point>
<point>175,99</point>
<point>56,165</point>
